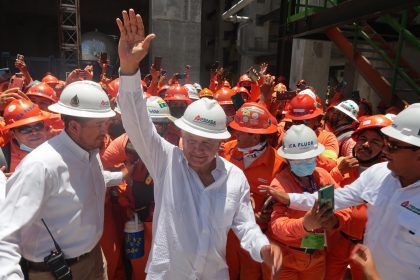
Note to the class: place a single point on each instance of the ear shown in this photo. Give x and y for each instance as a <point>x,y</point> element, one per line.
<point>74,128</point>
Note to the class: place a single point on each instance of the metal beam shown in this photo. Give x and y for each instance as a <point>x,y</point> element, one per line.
<point>348,11</point>
<point>236,8</point>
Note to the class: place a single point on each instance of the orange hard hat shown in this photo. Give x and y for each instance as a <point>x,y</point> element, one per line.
<point>303,107</point>
<point>21,112</point>
<point>224,96</point>
<point>162,91</point>
<point>244,78</point>
<point>43,90</point>
<point>226,84</point>
<point>253,118</point>
<point>113,87</point>
<point>369,122</point>
<point>177,93</point>
<point>205,92</point>
<point>50,79</point>
<point>242,90</point>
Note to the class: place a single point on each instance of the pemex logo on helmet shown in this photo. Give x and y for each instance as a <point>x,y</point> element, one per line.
<point>200,119</point>
<point>75,101</point>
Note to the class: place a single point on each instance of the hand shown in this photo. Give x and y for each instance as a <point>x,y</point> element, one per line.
<point>21,65</point>
<point>272,256</point>
<point>263,68</point>
<point>133,46</point>
<point>87,73</point>
<point>331,223</point>
<point>316,218</point>
<point>346,164</point>
<point>11,94</point>
<point>155,73</point>
<point>278,195</point>
<point>362,255</point>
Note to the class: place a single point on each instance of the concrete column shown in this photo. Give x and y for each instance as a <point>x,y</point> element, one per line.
<point>311,62</point>
<point>177,25</point>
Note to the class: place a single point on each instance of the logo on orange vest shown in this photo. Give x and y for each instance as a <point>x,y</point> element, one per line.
<point>262,180</point>
<point>411,207</point>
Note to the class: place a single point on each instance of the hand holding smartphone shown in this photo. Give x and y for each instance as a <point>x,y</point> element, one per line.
<point>326,197</point>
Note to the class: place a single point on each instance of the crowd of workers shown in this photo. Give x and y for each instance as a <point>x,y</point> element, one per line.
<point>223,178</point>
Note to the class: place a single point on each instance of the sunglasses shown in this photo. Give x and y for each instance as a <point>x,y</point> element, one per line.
<point>392,147</point>
<point>26,129</point>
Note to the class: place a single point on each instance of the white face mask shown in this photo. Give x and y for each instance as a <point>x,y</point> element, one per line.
<point>25,148</point>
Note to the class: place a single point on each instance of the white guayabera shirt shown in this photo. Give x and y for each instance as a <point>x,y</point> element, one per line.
<point>191,221</point>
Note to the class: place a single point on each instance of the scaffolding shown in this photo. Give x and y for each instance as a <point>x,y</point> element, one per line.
<point>69,34</point>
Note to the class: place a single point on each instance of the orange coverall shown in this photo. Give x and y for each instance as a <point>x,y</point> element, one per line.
<point>260,172</point>
<point>287,227</point>
<point>340,244</point>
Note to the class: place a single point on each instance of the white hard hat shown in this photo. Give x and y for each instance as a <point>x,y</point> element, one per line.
<point>158,109</point>
<point>300,142</point>
<point>348,107</point>
<point>192,92</point>
<point>406,126</point>
<point>197,86</point>
<point>205,118</point>
<point>85,99</point>
<point>308,92</point>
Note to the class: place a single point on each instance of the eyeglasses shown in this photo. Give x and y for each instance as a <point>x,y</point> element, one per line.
<point>26,129</point>
<point>392,147</point>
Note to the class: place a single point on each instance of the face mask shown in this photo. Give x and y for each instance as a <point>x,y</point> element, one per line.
<point>303,168</point>
<point>25,148</point>
<point>177,112</point>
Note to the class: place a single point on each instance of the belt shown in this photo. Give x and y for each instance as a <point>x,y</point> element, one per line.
<point>43,267</point>
<point>351,239</point>
<point>309,251</point>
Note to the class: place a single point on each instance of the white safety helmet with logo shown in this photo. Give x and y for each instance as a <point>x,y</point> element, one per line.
<point>300,142</point>
<point>192,92</point>
<point>348,107</point>
<point>197,87</point>
<point>406,126</point>
<point>85,99</point>
<point>158,109</point>
<point>205,118</point>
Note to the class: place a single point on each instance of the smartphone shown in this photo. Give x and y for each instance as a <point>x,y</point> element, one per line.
<point>20,57</point>
<point>237,100</point>
<point>253,74</point>
<point>5,74</point>
<point>17,81</point>
<point>180,76</point>
<point>287,95</point>
<point>326,196</point>
<point>157,63</point>
<point>103,58</point>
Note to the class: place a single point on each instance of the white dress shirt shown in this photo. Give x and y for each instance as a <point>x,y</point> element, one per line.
<point>3,180</point>
<point>393,226</point>
<point>191,221</point>
<point>63,184</point>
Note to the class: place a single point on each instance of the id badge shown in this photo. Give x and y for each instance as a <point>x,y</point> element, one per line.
<point>313,241</point>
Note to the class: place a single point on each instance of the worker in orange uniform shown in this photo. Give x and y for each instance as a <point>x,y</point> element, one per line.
<point>224,97</point>
<point>303,109</point>
<point>367,151</point>
<point>252,86</point>
<point>138,197</point>
<point>25,123</point>
<point>260,162</point>
<point>302,235</point>
<point>342,120</point>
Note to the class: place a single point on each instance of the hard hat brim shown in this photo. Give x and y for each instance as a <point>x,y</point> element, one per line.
<point>42,95</point>
<point>26,121</point>
<point>396,134</point>
<point>64,110</point>
<point>306,155</point>
<point>316,113</point>
<point>160,118</point>
<point>269,130</point>
<point>346,113</point>
<point>183,125</point>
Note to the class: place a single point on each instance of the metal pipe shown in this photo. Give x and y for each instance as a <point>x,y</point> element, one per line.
<point>236,8</point>
<point>237,19</point>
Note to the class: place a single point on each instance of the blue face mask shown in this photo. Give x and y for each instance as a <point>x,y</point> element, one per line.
<point>25,148</point>
<point>303,168</point>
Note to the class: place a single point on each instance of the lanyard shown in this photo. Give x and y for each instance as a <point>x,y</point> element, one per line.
<point>311,182</point>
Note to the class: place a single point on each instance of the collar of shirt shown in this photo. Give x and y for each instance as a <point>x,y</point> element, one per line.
<point>75,148</point>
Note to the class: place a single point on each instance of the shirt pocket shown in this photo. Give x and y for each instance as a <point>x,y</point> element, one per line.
<point>409,227</point>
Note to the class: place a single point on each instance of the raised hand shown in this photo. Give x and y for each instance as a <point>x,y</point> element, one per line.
<point>133,45</point>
